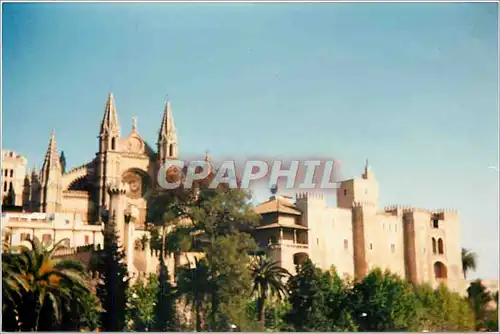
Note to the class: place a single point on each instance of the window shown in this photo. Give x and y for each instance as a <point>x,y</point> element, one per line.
<point>87,240</point>
<point>440,246</point>
<point>434,247</point>
<point>11,173</point>
<point>272,240</point>
<point>393,248</point>
<point>346,244</point>
<point>67,222</point>
<point>6,172</point>
<point>435,223</point>
<point>171,150</point>
<point>47,238</point>
<point>25,236</point>
<point>317,241</point>
<point>5,186</point>
<point>371,246</point>
<point>113,143</point>
<point>345,192</point>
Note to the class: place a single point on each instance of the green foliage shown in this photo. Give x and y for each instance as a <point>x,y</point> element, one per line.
<point>113,283</point>
<point>469,261</point>
<point>479,299</point>
<point>442,310</point>
<point>383,301</point>
<point>195,285</point>
<point>268,281</point>
<point>142,298</point>
<point>308,291</point>
<point>40,290</point>
<point>164,310</point>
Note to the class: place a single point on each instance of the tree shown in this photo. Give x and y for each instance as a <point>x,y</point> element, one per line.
<point>40,287</point>
<point>469,261</point>
<point>479,299</point>
<point>195,285</point>
<point>113,279</point>
<point>384,302</point>
<point>268,280</point>
<point>142,299</point>
<point>308,291</point>
<point>442,310</point>
<point>165,312</point>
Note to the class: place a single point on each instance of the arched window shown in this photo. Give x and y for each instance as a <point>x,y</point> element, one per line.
<point>440,270</point>
<point>11,173</point>
<point>345,192</point>
<point>434,247</point>
<point>5,186</point>
<point>171,150</point>
<point>440,246</point>
<point>113,143</point>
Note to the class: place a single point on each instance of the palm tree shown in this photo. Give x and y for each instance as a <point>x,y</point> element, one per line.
<point>469,260</point>
<point>268,279</point>
<point>195,285</point>
<point>43,282</point>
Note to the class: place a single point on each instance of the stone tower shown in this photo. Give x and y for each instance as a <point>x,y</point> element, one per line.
<point>108,157</point>
<point>167,137</point>
<point>51,179</point>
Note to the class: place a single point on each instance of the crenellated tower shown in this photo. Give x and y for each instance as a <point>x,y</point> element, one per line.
<point>51,179</point>
<point>167,137</point>
<point>108,157</point>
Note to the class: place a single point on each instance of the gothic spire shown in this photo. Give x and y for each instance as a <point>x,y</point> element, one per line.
<point>51,158</point>
<point>167,129</point>
<point>110,122</point>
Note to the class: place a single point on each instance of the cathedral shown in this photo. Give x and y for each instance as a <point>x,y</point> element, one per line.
<point>119,159</point>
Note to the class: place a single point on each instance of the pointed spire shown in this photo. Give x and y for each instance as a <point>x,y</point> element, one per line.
<point>51,158</point>
<point>167,130</point>
<point>208,158</point>
<point>110,122</point>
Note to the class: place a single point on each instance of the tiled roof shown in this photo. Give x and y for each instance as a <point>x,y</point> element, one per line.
<point>278,225</point>
<point>278,205</point>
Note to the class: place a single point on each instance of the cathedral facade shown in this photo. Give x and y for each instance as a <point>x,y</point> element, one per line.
<point>127,160</point>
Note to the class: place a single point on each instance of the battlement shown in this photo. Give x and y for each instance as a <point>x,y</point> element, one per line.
<point>444,214</point>
<point>117,188</point>
<point>310,195</point>
<point>359,204</point>
<point>11,155</point>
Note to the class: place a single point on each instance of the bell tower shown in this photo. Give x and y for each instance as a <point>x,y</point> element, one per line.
<point>108,157</point>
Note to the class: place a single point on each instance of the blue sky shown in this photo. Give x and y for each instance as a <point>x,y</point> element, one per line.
<point>412,87</point>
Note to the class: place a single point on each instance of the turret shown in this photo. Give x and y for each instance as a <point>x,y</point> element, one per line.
<point>167,137</point>
<point>51,179</point>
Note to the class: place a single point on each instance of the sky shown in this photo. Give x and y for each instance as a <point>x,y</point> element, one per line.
<point>412,87</point>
